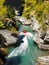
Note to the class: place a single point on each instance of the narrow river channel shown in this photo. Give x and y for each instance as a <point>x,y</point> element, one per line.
<point>31,54</point>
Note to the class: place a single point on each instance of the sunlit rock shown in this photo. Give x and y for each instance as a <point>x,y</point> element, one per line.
<point>43,60</point>
<point>16,12</point>
<point>25,21</point>
<point>7,38</point>
<point>37,39</point>
<point>22,19</point>
<point>35,25</point>
<point>40,42</point>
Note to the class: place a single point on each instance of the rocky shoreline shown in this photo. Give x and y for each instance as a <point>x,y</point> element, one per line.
<point>43,60</point>
<point>42,40</point>
<point>7,37</point>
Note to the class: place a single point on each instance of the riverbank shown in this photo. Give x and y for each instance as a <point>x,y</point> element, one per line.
<point>33,51</point>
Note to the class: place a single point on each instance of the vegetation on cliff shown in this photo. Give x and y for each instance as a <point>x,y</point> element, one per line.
<point>7,15</point>
<point>32,8</point>
<point>39,9</point>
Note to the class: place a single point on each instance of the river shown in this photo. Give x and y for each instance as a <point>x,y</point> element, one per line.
<point>31,54</point>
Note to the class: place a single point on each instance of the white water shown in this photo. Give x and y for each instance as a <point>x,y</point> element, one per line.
<point>21,50</point>
<point>29,55</point>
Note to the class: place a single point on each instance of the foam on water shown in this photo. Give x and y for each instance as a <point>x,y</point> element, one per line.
<point>21,50</point>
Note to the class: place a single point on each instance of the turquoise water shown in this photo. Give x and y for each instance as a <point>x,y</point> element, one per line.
<point>33,52</point>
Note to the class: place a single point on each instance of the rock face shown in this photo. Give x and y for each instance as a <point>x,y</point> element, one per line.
<point>46,39</point>
<point>7,37</point>
<point>42,40</point>
<point>43,60</point>
<point>37,39</point>
<point>35,25</point>
<point>42,34</point>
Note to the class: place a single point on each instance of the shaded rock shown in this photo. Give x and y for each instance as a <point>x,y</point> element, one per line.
<point>1,62</point>
<point>47,22</point>
<point>15,35</point>
<point>42,34</point>
<point>3,54</point>
<point>43,60</point>
<point>46,39</point>
<point>2,40</point>
<point>8,38</point>
<point>4,51</point>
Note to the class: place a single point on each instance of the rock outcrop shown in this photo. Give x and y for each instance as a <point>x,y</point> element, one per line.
<point>25,21</point>
<point>7,37</point>
<point>43,60</point>
<point>42,40</point>
<point>35,25</point>
<point>46,39</point>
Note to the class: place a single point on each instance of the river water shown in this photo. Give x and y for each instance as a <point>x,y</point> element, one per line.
<point>31,54</point>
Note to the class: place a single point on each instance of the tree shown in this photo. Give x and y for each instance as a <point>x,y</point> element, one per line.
<point>3,10</point>
<point>40,8</point>
<point>28,7</point>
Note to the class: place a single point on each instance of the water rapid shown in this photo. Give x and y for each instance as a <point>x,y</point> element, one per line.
<point>27,53</point>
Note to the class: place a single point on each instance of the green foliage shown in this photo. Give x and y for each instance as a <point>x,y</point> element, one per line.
<point>7,17</point>
<point>28,7</point>
<point>10,13</point>
<point>1,25</point>
<point>3,10</point>
<point>38,9</point>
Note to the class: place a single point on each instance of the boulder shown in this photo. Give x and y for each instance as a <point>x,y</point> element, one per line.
<point>28,22</point>
<point>43,60</point>
<point>25,21</point>
<point>37,39</point>
<point>17,12</point>
<point>40,42</point>
<point>35,24</point>
<point>22,19</point>
<point>46,39</point>
<point>7,37</point>
<point>42,34</point>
